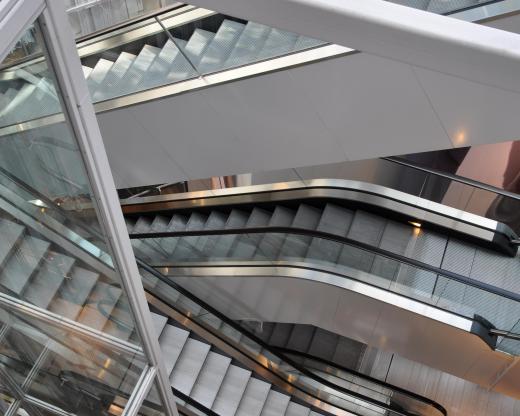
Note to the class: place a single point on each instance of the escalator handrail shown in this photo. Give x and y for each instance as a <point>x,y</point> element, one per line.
<point>341,240</point>
<point>365,376</point>
<point>254,338</point>
<point>456,178</point>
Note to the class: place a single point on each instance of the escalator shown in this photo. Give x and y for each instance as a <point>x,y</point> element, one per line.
<point>272,253</point>
<point>215,365</point>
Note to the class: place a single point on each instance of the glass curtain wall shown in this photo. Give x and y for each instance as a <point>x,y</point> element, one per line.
<point>68,337</point>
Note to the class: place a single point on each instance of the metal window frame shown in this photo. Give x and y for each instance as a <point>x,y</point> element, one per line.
<point>60,50</point>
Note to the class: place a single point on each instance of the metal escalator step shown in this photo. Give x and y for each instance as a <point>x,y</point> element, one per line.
<point>334,220</point>
<point>177,223</point>
<point>142,225</point>
<point>303,42</point>
<point>210,378</point>
<point>101,302</point>
<point>296,246</point>
<point>187,247</point>
<point>254,397</point>
<point>295,409</point>
<point>19,102</point>
<point>23,263</point>
<point>76,289</point>
<point>245,246</point>
<point>271,243</point>
<point>98,74</point>
<point>161,66</point>
<point>131,81</point>
<point>130,224</point>
<point>275,404</point>
<point>180,68</point>
<point>188,365</point>
<point>279,42</point>
<point>280,335</point>
<point>11,233</point>
<point>251,41</point>
<point>118,70</point>
<point>237,219</point>
<point>197,45</point>
<point>323,344</point>
<point>44,286</point>
<point>231,390</point>
<point>159,322</point>
<point>86,71</point>
<point>300,338</point>
<point>221,46</point>
<point>172,340</point>
<point>367,228</point>
<point>216,220</point>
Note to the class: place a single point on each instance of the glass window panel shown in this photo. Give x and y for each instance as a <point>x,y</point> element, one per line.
<point>76,373</point>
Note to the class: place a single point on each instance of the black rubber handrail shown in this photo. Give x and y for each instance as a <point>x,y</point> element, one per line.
<point>382,383</point>
<point>254,338</point>
<point>341,240</point>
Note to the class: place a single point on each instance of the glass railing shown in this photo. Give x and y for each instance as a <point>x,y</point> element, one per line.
<point>368,386</point>
<point>62,303</point>
<point>444,6</point>
<point>172,47</point>
<point>445,189</point>
<point>340,257</point>
<point>332,396</point>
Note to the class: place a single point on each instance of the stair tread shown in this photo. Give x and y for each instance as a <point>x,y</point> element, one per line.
<point>221,46</point>
<point>295,409</point>
<point>197,44</point>
<point>188,365</point>
<point>48,280</point>
<point>23,263</point>
<point>210,378</point>
<point>11,232</point>
<point>172,340</point>
<point>254,398</point>
<point>231,390</point>
<point>249,44</point>
<point>276,404</point>
<point>91,314</point>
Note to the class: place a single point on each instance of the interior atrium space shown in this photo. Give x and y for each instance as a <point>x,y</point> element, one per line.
<point>260,208</point>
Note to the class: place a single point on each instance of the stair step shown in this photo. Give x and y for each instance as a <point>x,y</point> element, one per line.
<point>254,397</point>
<point>210,378</point>
<point>276,404</point>
<point>98,74</point>
<point>187,248</point>
<point>280,335</point>
<point>248,46</point>
<point>118,70</point>
<point>188,365</point>
<point>279,42</point>
<point>133,77</point>
<point>303,42</point>
<point>231,390</point>
<point>271,243</point>
<point>44,286</point>
<point>221,46</point>
<point>180,68</point>
<point>172,341</point>
<point>300,338</point>
<point>23,263</point>
<point>11,233</point>
<point>296,246</point>
<point>216,220</point>
<point>295,409</point>
<point>367,228</point>
<point>74,292</point>
<point>334,220</point>
<point>245,245</point>
<point>197,45</point>
<point>159,322</point>
<point>103,296</point>
<point>237,219</point>
<point>159,70</point>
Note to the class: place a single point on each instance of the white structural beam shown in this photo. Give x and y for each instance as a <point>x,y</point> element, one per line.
<point>15,16</point>
<point>443,44</point>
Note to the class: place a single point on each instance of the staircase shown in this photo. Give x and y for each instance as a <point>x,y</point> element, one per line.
<point>211,379</point>
<point>232,45</point>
